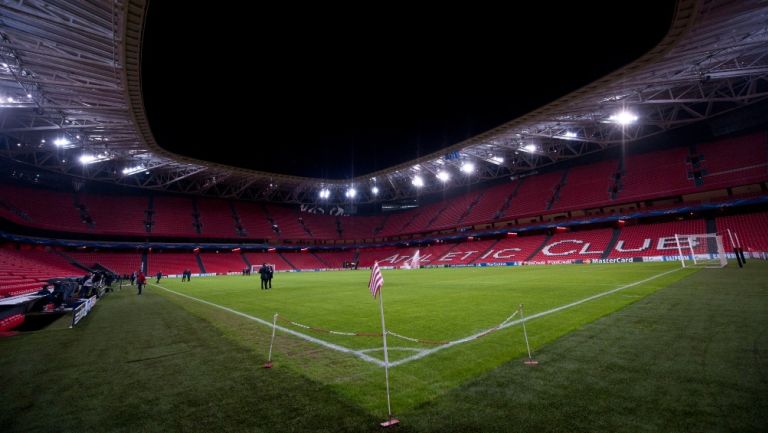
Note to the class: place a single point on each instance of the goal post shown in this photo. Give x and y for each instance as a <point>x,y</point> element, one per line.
<point>255,268</point>
<point>701,250</point>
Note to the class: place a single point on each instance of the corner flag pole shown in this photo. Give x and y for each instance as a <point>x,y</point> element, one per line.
<point>272,342</point>
<point>530,360</point>
<point>391,420</point>
<point>375,285</point>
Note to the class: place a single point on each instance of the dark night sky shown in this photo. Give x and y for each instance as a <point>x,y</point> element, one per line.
<point>341,93</point>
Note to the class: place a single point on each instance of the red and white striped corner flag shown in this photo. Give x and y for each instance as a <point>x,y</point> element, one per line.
<point>374,285</point>
<point>376,281</point>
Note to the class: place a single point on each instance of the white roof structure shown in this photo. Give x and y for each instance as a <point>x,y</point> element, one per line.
<point>71,102</point>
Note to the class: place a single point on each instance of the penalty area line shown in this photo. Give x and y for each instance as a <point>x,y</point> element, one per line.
<point>428,352</point>
<point>306,337</point>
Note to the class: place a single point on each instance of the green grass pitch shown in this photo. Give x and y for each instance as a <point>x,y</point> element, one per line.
<point>432,304</point>
<point>681,352</point>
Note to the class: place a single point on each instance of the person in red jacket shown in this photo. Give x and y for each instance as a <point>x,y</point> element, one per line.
<point>140,280</point>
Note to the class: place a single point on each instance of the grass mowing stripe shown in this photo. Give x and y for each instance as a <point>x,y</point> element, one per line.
<point>428,352</point>
<point>688,358</point>
<point>145,364</point>
<point>324,343</point>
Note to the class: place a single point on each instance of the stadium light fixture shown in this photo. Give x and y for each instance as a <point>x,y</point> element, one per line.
<point>530,148</point>
<point>468,167</point>
<point>417,181</point>
<point>497,160</point>
<point>351,193</point>
<point>61,142</point>
<point>570,134</point>
<point>127,171</point>
<point>325,193</point>
<point>88,158</point>
<point>623,118</point>
<point>375,190</point>
<point>444,176</point>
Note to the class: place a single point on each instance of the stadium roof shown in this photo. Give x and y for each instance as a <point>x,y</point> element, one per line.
<point>71,103</point>
<point>352,93</point>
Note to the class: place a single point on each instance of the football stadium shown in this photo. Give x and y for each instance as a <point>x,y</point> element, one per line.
<point>595,261</point>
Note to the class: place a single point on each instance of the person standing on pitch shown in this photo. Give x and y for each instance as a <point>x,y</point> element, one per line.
<point>264,272</point>
<point>159,275</point>
<point>140,281</point>
<point>270,275</point>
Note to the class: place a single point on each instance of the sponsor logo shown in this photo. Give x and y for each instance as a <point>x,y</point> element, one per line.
<point>620,260</point>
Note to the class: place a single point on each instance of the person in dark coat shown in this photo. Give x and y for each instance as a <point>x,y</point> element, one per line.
<point>264,272</point>
<point>270,275</point>
<point>159,275</point>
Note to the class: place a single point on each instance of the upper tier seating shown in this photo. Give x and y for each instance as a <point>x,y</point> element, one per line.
<point>587,185</point>
<point>735,161</point>
<point>255,221</point>
<point>216,218</point>
<point>533,195</point>
<point>658,174</point>
<point>173,217</point>
<point>120,215</point>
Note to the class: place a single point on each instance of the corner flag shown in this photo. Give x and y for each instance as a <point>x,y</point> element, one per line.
<point>374,285</point>
<point>376,281</point>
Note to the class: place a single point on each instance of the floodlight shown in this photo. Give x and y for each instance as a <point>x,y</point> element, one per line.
<point>351,192</point>
<point>468,167</point>
<point>623,118</point>
<point>443,176</point>
<point>417,181</point>
<point>87,159</point>
<point>375,190</point>
<point>127,171</point>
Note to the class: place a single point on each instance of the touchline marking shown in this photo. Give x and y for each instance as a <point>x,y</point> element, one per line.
<point>343,349</point>
<point>428,352</point>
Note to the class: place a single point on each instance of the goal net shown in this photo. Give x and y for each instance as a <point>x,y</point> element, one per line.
<point>701,250</point>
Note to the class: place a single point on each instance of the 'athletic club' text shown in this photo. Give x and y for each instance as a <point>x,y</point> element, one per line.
<point>565,247</point>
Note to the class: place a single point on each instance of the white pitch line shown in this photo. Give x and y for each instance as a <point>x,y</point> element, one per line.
<point>324,343</point>
<point>376,349</point>
<point>428,352</point>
